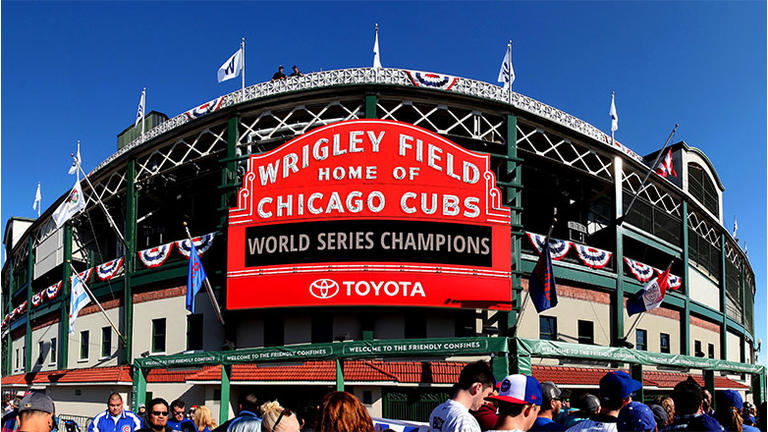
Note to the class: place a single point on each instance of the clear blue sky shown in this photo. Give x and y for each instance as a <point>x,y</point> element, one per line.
<point>75,71</point>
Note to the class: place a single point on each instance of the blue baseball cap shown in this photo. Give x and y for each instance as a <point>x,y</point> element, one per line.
<point>519,389</point>
<point>618,385</point>
<point>636,417</point>
<point>730,398</point>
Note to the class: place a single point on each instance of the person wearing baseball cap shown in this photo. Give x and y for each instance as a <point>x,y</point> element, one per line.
<point>519,401</point>
<point>551,405</point>
<point>636,417</point>
<point>616,390</point>
<point>36,413</point>
<point>729,404</point>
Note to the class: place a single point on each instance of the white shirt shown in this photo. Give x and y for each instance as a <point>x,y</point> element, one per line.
<point>452,416</point>
<point>590,425</point>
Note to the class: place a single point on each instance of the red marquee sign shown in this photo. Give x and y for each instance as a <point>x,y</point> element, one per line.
<point>369,212</point>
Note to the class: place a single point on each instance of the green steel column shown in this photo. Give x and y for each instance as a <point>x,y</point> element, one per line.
<point>514,200</point>
<point>709,384</point>
<point>229,171</point>
<point>618,299</point>
<point>370,106</point>
<point>759,388</point>
<point>742,290</point>
<point>131,212</point>
<point>685,322</point>
<point>139,389</point>
<point>521,361</point>
<point>724,320</point>
<point>500,365</point>
<point>28,335</point>
<point>63,359</point>
<point>226,373</point>
<point>339,375</point>
<point>7,368</point>
<point>636,370</point>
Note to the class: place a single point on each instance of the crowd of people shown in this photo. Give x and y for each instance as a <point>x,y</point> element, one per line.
<point>478,404</point>
<point>521,403</point>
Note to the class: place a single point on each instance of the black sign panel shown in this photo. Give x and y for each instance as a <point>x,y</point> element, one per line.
<point>368,241</point>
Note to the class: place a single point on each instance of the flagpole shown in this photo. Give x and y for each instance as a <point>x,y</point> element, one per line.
<point>640,315</point>
<point>620,220</point>
<point>509,71</point>
<point>613,102</point>
<point>39,202</point>
<point>208,288</point>
<point>143,111</point>
<point>88,290</point>
<point>103,207</point>
<point>528,292</point>
<point>242,49</point>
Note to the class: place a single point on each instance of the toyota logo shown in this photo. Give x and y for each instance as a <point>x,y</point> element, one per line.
<point>324,288</point>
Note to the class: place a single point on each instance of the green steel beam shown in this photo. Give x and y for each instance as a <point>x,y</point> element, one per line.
<point>617,306</point>
<point>574,272</point>
<point>723,315</point>
<point>709,384</point>
<point>339,375</point>
<point>175,270</point>
<point>370,106</point>
<point>636,370</point>
<point>139,389</point>
<point>500,365</point>
<point>655,243</point>
<point>704,311</point>
<point>226,374</point>
<point>514,199</point>
<point>685,322</point>
<point>28,317</point>
<point>131,214</point>
<point>63,359</point>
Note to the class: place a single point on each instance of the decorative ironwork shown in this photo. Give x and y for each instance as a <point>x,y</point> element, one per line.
<point>652,192</point>
<point>704,229</point>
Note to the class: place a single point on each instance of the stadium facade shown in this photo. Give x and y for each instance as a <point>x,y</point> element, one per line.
<point>372,230</point>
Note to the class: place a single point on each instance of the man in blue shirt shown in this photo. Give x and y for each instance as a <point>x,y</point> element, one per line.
<point>177,421</point>
<point>115,418</point>
<point>550,408</point>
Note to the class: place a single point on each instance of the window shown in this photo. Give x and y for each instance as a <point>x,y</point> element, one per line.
<point>322,328</point>
<point>586,332</point>
<point>17,358</point>
<point>106,341</point>
<point>158,335</point>
<point>697,349</point>
<point>664,343</point>
<point>195,332</point>
<point>702,188</point>
<point>547,328</point>
<point>40,348</point>
<point>711,350</point>
<point>84,344</point>
<point>641,340</point>
<point>53,350</point>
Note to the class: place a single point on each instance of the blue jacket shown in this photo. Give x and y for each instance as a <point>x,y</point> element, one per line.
<point>185,425</point>
<point>128,422</point>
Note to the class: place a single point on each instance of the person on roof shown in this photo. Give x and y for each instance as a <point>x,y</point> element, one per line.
<point>115,418</point>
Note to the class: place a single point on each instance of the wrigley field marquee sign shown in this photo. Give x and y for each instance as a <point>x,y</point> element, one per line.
<point>369,212</point>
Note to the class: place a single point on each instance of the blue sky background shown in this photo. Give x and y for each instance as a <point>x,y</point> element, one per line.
<point>75,70</point>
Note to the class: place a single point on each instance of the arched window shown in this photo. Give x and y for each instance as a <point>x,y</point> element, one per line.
<point>702,188</point>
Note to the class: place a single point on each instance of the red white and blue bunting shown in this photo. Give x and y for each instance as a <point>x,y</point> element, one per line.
<point>84,276</point>
<point>205,108</point>
<point>52,291</point>
<point>156,256</point>
<point>109,269</point>
<point>674,281</point>
<point>592,257</point>
<point>432,80</point>
<point>643,272</point>
<point>557,248</point>
<point>37,299</point>
<point>202,243</point>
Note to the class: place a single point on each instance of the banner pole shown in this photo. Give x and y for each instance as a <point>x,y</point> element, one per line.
<point>208,288</point>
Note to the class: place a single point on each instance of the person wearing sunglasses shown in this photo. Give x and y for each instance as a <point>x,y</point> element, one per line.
<point>275,418</point>
<point>177,421</point>
<point>157,416</point>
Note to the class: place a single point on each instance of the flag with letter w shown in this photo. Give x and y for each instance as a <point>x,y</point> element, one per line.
<point>541,285</point>
<point>195,277</point>
<point>651,296</point>
<point>507,72</point>
<point>231,68</point>
<point>74,203</point>
<point>78,300</point>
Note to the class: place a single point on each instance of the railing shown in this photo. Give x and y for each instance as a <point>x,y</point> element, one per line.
<point>82,422</point>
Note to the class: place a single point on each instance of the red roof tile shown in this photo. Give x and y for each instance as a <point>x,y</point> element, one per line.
<point>89,375</point>
<point>670,379</point>
<point>564,375</point>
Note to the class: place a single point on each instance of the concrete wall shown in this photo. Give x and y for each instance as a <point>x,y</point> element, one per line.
<point>734,346</point>
<point>175,312</point>
<point>250,332</point>
<point>17,355</point>
<point>93,323</point>
<point>706,336</point>
<point>375,408</point>
<point>85,399</point>
<point>703,290</point>
<point>298,329</point>
<point>45,335</point>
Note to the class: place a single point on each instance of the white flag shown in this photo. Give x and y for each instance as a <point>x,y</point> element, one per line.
<point>614,115</point>
<point>38,198</point>
<point>735,227</point>
<point>78,300</point>
<point>376,56</point>
<point>73,169</point>
<point>232,67</point>
<point>74,203</point>
<point>507,72</point>
<point>140,111</point>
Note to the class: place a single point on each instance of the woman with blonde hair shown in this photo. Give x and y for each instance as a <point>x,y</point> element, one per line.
<point>204,419</point>
<point>342,412</point>
<point>275,418</point>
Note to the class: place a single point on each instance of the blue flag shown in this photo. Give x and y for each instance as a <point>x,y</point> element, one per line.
<point>195,277</point>
<point>541,284</point>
